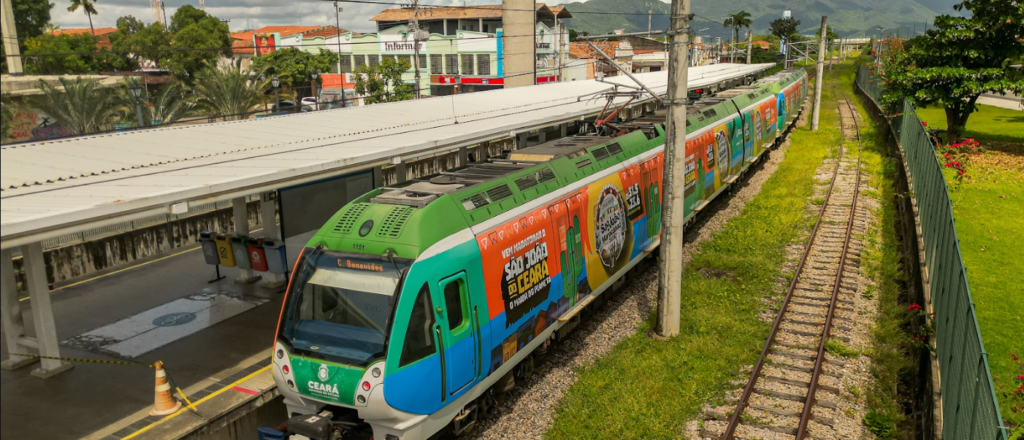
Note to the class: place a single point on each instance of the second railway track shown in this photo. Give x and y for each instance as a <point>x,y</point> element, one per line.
<point>792,391</point>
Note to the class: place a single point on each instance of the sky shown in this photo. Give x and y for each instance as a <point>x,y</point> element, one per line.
<point>244,14</point>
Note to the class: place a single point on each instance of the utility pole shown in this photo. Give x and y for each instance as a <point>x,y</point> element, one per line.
<point>670,278</point>
<point>650,13</point>
<point>341,70</point>
<point>820,77</point>
<point>750,45</point>
<point>416,44</point>
<point>10,36</point>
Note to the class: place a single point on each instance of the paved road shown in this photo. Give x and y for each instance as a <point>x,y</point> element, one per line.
<point>91,397</point>
<point>1009,101</point>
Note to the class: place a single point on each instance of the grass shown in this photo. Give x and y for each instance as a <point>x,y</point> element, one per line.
<point>836,347</point>
<point>989,213</point>
<point>649,388</point>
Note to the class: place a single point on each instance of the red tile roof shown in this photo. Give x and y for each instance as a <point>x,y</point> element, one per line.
<point>79,31</point>
<point>581,49</point>
<point>456,12</point>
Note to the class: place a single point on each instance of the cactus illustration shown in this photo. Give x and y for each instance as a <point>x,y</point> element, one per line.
<point>572,260</point>
<point>654,211</point>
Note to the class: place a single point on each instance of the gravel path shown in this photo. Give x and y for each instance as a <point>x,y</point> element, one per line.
<point>529,410</point>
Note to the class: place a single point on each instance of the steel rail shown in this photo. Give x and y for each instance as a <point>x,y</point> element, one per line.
<point>805,417</point>
<point>748,390</point>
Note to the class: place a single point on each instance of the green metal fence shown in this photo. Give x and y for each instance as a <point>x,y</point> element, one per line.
<point>970,409</point>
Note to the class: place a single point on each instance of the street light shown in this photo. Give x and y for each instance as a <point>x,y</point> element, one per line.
<point>136,90</point>
<point>276,82</point>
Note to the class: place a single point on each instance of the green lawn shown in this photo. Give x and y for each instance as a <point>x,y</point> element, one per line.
<point>989,210</point>
<point>650,389</point>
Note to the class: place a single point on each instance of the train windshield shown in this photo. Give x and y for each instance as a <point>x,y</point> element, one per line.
<point>340,306</point>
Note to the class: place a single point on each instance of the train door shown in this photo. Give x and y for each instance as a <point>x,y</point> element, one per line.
<point>650,177</point>
<point>748,138</point>
<point>459,334</point>
<point>782,111</point>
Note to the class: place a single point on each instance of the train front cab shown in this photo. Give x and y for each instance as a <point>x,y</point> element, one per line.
<point>383,342</point>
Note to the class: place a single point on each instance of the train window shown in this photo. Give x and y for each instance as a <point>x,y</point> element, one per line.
<point>545,175</point>
<point>600,153</point>
<point>455,302</point>
<point>419,337</point>
<point>474,201</point>
<point>583,163</point>
<point>710,113</point>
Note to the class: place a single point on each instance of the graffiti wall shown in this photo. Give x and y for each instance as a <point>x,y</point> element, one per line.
<point>29,125</point>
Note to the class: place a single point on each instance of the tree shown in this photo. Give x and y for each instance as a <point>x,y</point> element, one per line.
<point>88,6</point>
<point>384,82</point>
<point>140,42</point>
<point>229,94</point>
<point>784,28</point>
<point>31,17</point>
<point>199,38</point>
<point>953,64</point>
<point>294,67</point>
<point>81,55</point>
<point>168,105</point>
<point>78,104</point>
<point>736,21</point>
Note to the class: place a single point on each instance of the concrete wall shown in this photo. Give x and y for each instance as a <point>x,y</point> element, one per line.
<point>79,260</point>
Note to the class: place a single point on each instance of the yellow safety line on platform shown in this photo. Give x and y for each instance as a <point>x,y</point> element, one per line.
<point>127,269</point>
<point>198,402</point>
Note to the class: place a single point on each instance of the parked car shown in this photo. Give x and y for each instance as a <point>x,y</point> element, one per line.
<point>310,101</point>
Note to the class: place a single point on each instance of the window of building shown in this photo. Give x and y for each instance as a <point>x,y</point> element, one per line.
<point>486,26</point>
<point>435,65</point>
<point>483,64</point>
<point>451,64</point>
<point>407,59</point>
<point>360,61</point>
<point>467,64</point>
<point>373,61</point>
<point>423,61</point>
<point>346,63</point>
<point>419,337</point>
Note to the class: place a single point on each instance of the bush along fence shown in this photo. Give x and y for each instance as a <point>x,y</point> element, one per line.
<point>970,409</point>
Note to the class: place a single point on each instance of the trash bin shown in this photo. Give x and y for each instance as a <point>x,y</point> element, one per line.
<point>257,256</point>
<point>209,248</point>
<point>240,247</point>
<point>227,257</point>
<point>276,255</point>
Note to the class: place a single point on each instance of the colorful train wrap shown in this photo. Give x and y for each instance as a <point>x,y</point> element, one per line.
<point>409,307</point>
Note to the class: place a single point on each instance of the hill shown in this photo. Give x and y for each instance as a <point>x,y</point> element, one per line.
<point>851,18</point>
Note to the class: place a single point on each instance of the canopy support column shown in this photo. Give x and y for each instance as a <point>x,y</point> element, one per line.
<point>11,318</point>
<point>240,209</point>
<point>42,313</point>
<point>268,217</point>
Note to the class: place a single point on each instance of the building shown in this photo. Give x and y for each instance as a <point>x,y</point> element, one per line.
<point>620,50</point>
<point>264,40</point>
<point>102,35</point>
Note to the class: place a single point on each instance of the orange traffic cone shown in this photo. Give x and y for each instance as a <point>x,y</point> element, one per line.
<point>165,403</point>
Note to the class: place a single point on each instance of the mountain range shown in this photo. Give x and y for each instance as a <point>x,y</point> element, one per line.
<point>850,18</point>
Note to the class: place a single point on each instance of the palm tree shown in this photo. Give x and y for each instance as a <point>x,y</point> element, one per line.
<point>229,94</point>
<point>166,106</point>
<point>736,21</point>
<point>78,104</point>
<point>89,7</point>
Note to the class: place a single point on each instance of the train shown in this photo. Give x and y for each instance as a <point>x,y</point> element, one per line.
<point>417,306</point>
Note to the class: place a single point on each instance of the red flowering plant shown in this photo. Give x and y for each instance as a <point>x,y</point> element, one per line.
<point>1015,399</point>
<point>922,328</point>
<point>958,156</point>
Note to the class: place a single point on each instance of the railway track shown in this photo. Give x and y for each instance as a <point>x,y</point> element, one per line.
<point>792,391</point>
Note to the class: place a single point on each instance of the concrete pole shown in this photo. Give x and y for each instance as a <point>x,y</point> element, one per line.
<point>268,217</point>
<point>10,316</point>
<point>241,216</point>
<point>10,37</point>
<point>341,70</point>
<point>820,76</point>
<point>416,44</point>
<point>750,45</point>
<point>670,278</point>
<point>42,313</point>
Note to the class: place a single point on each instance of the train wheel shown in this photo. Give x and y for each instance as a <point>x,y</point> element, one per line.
<point>524,371</point>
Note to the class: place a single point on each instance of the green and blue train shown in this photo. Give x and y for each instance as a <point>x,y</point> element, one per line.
<point>414,306</point>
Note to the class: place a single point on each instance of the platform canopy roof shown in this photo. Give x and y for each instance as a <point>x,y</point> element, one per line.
<point>63,186</point>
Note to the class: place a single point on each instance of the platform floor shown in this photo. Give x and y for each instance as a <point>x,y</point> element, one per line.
<point>162,309</point>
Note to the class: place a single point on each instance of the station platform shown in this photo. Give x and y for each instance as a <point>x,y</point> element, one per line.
<point>215,340</point>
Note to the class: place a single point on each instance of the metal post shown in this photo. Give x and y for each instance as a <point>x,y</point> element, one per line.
<point>416,44</point>
<point>10,36</point>
<point>138,111</point>
<point>241,216</point>
<point>341,69</point>
<point>42,313</point>
<point>670,278</point>
<point>750,45</point>
<point>820,76</point>
<point>10,316</point>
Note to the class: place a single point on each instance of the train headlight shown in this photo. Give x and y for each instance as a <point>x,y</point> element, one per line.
<point>376,373</point>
